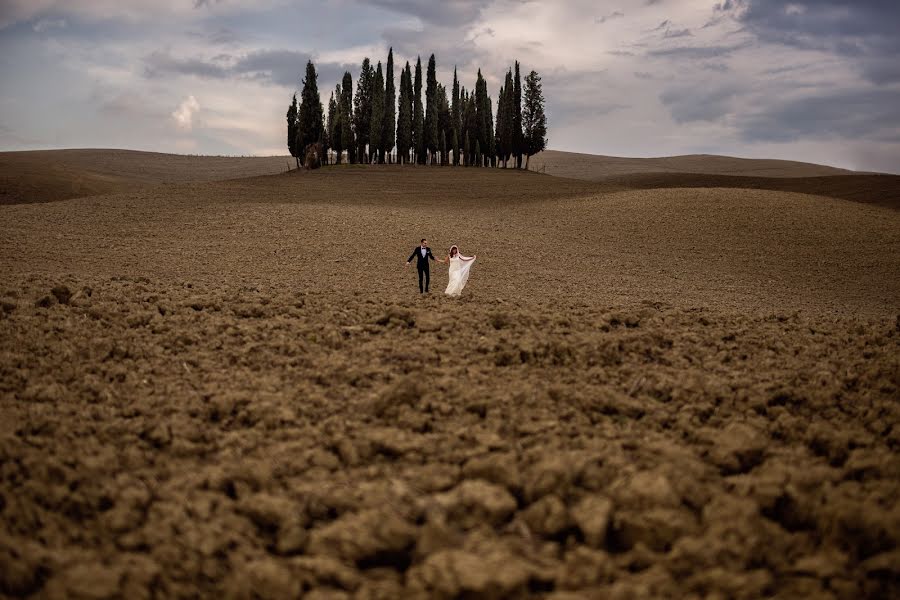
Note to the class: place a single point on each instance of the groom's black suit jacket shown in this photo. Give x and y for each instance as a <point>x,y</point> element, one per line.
<point>422,263</point>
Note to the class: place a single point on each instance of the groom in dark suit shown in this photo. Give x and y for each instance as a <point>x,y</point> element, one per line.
<point>422,254</point>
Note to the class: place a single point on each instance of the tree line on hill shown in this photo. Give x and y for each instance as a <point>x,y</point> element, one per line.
<point>459,129</point>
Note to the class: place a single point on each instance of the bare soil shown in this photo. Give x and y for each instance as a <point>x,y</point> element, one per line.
<point>51,175</point>
<point>593,166</point>
<point>234,389</point>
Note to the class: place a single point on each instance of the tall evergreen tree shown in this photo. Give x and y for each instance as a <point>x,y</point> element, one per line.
<point>471,128</point>
<point>388,134</point>
<point>329,129</point>
<point>517,140</point>
<point>455,149</point>
<point>431,112</point>
<point>362,108</point>
<point>534,121</point>
<point>483,130</point>
<point>347,137</point>
<point>375,142</point>
<point>309,113</point>
<point>463,122</point>
<point>506,119</point>
<point>404,116</point>
<point>337,125</point>
<point>444,148</point>
<point>292,128</point>
<point>499,133</point>
<point>444,117</point>
<point>467,151</point>
<point>455,118</point>
<point>492,148</point>
<point>418,116</point>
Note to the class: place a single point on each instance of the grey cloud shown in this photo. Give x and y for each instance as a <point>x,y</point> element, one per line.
<point>223,36</point>
<point>613,15</point>
<point>126,104</point>
<point>854,114</point>
<point>10,138</point>
<point>276,67</point>
<point>696,52</point>
<point>443,42</point>
<point>159,64</point>
<point>281,67</point>
<point>863,30</point>
<point>581,102</point>
<point>442,13</point>
<point>691,104</point>
<point>717,67</point>
<point>677,33</point>
<point>44,25</point>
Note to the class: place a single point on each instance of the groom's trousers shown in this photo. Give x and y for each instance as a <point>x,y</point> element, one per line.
<point>424,272</point>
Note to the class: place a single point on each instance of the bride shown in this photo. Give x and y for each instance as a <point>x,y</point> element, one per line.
<point>459,271</point>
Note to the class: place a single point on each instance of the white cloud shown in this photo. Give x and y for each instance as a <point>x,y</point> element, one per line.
<point>184,114</point>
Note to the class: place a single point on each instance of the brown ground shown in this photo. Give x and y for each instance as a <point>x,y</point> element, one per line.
<point>233,388</point>
<point>50,175</point>
<point>596,167</point>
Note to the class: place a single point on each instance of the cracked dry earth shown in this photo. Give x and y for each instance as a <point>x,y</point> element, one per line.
<point>232,390</point>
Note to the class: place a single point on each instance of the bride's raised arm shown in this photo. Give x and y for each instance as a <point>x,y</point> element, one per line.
<point>467,258</point>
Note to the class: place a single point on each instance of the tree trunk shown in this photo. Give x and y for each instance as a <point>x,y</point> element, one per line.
<point>527,160</point>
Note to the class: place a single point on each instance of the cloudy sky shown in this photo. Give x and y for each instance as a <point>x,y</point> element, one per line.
<point>815,80</point>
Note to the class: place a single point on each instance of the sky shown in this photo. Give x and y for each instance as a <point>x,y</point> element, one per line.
<point>813,80</point>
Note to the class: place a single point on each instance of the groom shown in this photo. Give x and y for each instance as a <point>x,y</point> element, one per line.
<point>422,255</point>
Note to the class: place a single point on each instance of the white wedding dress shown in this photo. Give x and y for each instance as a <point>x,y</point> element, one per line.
<point>459,275</point>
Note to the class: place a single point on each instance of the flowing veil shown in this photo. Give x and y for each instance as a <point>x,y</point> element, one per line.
<point>459,272</point>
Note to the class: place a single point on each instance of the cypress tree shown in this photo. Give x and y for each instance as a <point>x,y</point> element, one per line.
<point>482,133</point>
<point>468,151</point>
<point>444,148</point>
<point>492,146</point>
<point>477,153</point>
<point>455,115</point>
<point>375,141</point>
<point>362,108</point>
<point>500,134</point>
<point>388,134</point>
<point>404,117</point>
<point>292,128</point>
<point>471,128</point>
<point>309,112</point>
<point>347,138</point>
<point>534,121</point>
<point>431,113</point>
<point>418,116</point>
<point>506,119</point>
<point>337,137</point>
<point>444,117</point>
<point>455,149</point>
<point>455,118</point>
<point>329,130</point>
<point>517,142</point>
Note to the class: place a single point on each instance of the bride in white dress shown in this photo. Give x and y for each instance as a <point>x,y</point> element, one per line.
<point>459,271</point>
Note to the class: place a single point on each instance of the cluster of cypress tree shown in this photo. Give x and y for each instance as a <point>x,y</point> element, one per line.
<point>459,130</point>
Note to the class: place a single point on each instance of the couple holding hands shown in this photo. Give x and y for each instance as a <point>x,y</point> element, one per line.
<point>458,273</point>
